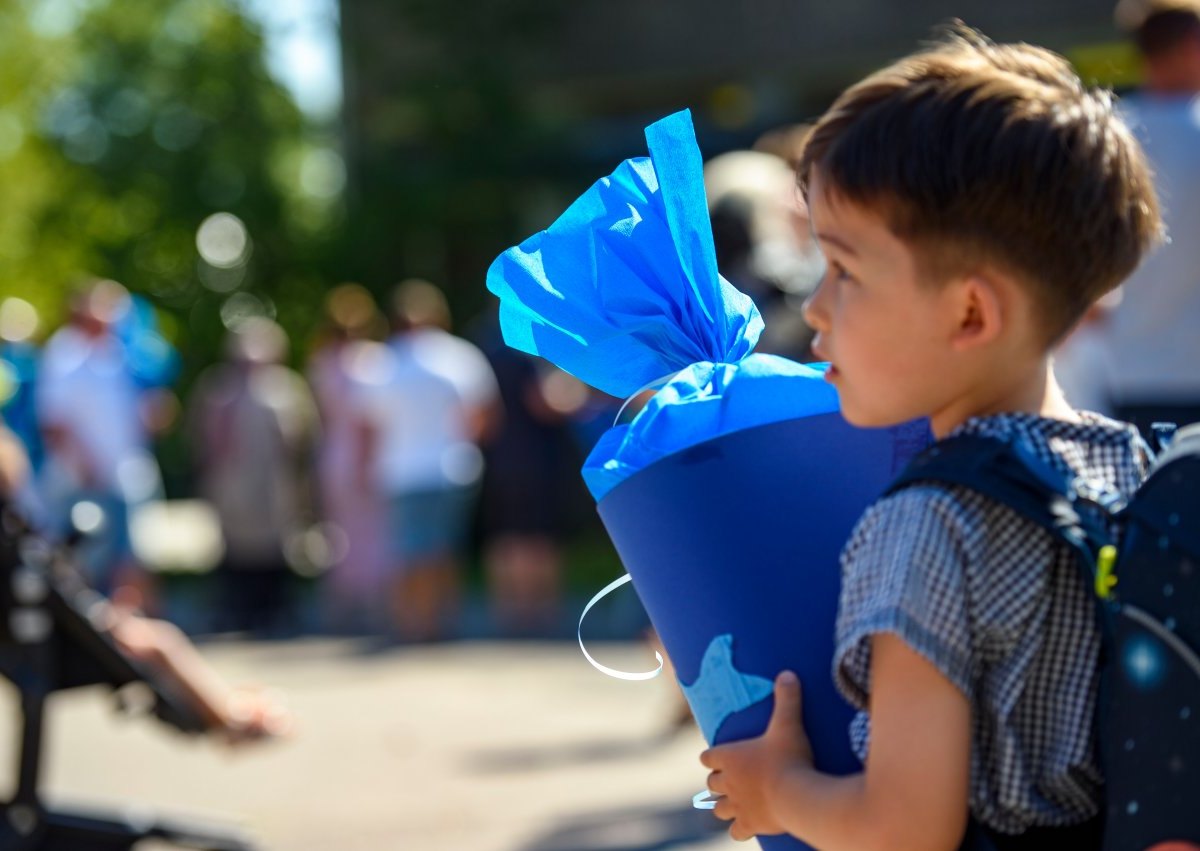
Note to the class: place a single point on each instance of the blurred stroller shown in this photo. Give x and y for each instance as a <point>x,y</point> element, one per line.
<point>57,633</point>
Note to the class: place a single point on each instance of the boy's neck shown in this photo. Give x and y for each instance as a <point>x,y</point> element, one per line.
<point>1031,390</point>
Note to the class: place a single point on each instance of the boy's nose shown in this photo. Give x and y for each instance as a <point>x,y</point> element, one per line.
<point>813,309</point>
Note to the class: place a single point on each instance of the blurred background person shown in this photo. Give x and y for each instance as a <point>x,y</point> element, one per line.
<point>253,429</point>
<point>531,486</point>
<point>93,415</point>
<point>353,515</point>
<point>762,239</point>
<point>428,398</point>
<point>1153,333</point>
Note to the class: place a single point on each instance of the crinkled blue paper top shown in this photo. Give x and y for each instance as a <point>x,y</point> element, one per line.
<point>706,401</point>
<point>623,289</point>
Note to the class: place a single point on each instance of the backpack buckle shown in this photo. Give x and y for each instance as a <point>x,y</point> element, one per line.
<point>1106,579</point>
<point>1107,499</point>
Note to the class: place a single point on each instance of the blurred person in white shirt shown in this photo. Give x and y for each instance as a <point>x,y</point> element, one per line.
<point>427,398</point>
<point>1153,334</point>
<point>93,417</point>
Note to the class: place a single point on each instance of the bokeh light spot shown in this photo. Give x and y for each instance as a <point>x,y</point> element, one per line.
<point>322,173</point>
<point>87,517</point>
<point>18,320</point>
<point>223,241</point>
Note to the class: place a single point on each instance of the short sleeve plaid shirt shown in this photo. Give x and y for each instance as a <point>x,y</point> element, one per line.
<point>1000,608</point>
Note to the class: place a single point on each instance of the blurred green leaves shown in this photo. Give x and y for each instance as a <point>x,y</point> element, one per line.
<point>124,125</point>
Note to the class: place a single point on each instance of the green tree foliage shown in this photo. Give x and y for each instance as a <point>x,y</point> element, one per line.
<point>445,139</point>
<point>124,124</point>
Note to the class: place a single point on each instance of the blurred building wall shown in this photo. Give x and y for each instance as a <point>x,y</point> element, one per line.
<point>470,125</point>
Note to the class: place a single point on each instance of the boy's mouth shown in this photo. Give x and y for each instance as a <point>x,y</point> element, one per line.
<point>831,371</point>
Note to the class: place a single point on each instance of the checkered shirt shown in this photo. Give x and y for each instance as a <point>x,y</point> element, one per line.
<point>1000,608</point>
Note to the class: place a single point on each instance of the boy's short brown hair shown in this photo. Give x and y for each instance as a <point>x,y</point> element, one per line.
<point>980,154</point>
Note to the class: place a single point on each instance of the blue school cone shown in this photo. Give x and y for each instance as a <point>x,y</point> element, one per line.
<point>741,589</point>
<point>753,579</point>
<point>730,495</point>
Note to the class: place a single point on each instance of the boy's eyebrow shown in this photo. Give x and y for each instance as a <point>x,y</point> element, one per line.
<point>838,243</point>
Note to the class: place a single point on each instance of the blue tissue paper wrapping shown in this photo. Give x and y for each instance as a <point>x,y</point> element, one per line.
<point>623,289</point>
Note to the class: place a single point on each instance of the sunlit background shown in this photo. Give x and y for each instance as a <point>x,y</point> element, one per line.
<point>232,161</point>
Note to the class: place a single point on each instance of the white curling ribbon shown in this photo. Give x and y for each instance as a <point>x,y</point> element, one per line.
<point>655,385</point>
<point>704,801</point>
<point>604,669</point>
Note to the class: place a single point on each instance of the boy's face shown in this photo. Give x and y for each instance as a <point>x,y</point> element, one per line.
<point>885,332</point>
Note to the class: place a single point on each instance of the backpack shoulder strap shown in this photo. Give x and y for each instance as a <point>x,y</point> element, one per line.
<point>1013,476</point>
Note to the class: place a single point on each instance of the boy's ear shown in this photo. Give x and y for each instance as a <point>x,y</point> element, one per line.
<point>979,312</point>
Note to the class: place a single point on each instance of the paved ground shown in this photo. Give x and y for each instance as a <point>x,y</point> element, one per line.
<point>477,746</point>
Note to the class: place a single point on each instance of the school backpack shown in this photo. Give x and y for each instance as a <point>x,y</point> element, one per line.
<point>1147,605</point>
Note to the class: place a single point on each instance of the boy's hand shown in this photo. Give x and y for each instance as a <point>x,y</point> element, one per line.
<point>746,773</point>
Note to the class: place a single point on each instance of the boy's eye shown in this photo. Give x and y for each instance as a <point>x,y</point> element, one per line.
<point>838,271</point>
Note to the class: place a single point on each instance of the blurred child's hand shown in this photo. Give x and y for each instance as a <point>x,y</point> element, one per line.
<point>746,773</point>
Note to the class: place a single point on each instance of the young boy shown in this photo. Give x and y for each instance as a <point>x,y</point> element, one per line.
<point>971,200</point>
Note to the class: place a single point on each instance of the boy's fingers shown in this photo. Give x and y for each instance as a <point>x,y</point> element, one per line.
<point>710,759</point>
<point>724,810</point>
<point>716,783</point>
<point>786,716</point>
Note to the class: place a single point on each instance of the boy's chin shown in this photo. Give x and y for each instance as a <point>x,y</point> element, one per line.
<point>871,419</point>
